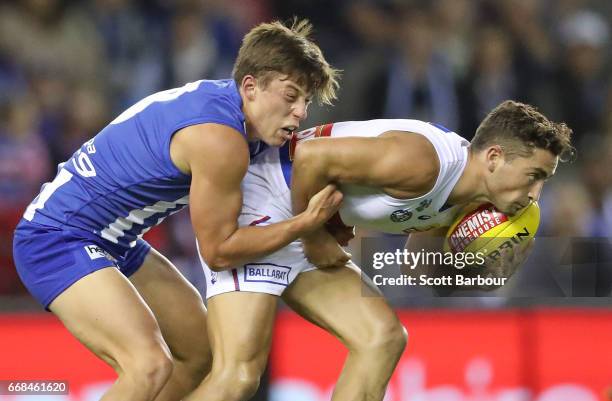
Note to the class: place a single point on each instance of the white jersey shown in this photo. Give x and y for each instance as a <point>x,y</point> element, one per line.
<point>363,206</point>
<point>267,200</point>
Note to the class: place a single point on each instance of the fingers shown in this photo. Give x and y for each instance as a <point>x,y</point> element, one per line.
<point>322,250</point>
<point>326,202</point>
<point>332,198</point>
<point>334,257</point>
<point>337,262</point>
<point>330,195</point>
<point>335,200</point>
<point>339,259</point>
<point>510,259</point>
<point>328,190</point>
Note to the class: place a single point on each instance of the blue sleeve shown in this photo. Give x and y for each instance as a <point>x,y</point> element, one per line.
<point>221,110</point>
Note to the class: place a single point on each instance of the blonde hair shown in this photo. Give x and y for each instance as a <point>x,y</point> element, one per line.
<point>273,48</point>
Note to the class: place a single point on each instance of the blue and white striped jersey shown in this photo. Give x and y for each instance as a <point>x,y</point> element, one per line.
<point>122,182</point>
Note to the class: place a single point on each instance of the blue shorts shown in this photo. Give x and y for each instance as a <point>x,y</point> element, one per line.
<point>50,259</point>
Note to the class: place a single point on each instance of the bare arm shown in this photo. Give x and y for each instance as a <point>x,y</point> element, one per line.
<point>403,164</point>
<point>399,162</point>
<point>217,158</point>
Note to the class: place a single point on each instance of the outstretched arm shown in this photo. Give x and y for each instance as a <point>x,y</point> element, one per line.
<point>217,158</point>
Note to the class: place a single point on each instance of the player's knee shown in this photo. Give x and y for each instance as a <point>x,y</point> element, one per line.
<point>156,368</point>
<point>394,338</point>
<point>149,366</point>
<point>246,385</point>
<point>391,338</point>
<point>240,381</point>
<point>387,337</point>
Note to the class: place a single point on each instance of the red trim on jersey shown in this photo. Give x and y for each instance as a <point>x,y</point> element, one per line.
<point>258,221</point>
<point>319,131</point>
<point>292,144</point>
<point>236,282</point>
<point>325,130</point>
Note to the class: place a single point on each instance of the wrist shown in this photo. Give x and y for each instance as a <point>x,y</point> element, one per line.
<point>302,225</point>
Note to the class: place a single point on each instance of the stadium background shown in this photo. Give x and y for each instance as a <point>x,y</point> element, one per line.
<point>67,67</point>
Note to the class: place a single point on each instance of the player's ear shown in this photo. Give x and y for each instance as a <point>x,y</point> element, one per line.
<point>248,85</point>
<point>494,154</point>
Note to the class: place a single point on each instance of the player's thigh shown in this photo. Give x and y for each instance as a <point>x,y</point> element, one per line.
<point>176,304</point>
<point>342,302</point>
<point>106,313</point>
<point>240,328</point>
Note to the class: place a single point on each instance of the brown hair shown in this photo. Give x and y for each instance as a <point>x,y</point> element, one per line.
<point>519,129</point>
<point>275,48</point>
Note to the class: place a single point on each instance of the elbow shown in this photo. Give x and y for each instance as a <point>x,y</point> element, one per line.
<point>305,153</point>
<point>214,261</point>
<point>313,157</point>
<point>219,264</point>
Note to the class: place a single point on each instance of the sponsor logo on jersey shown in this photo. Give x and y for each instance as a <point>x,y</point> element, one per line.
<point>95,252</point>
<point>424,205</point>
<point>214,276</point>
<point>400,215</point>
<point>267,273</point>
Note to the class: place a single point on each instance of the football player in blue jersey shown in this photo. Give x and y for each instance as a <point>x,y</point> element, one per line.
<point>78,248</point>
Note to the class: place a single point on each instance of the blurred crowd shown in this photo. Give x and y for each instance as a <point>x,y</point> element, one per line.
<point>68,66</point>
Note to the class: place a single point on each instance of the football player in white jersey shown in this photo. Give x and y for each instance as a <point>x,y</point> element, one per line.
<point>397,176</point>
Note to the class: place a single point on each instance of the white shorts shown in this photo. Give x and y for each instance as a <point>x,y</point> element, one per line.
<point>266,200</point>
<point>269,275</point>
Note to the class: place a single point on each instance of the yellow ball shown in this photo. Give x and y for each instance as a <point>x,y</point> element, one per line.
<point>489,231</point>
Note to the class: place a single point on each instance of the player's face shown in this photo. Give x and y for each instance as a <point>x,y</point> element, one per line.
<point>515,183</point>
<point>277,110</point>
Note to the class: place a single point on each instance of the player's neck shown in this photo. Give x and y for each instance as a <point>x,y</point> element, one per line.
<point>471,186</point>
<point>249,128</point>
<point>250,132</point>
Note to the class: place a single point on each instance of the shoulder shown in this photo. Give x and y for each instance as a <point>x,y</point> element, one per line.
<point>221,100</point>
<point>415,157</point>
<point>209,145</point>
